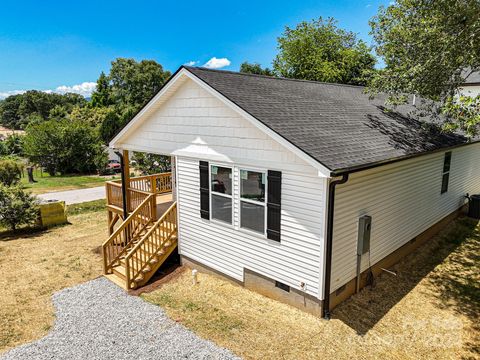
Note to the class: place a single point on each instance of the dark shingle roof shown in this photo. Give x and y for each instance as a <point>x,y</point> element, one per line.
<point>338,125</point>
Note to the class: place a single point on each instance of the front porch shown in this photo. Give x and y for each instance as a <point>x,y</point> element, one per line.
<point>142,226</point>
<point>137,190</point>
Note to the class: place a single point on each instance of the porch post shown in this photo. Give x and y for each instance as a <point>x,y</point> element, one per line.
<point>124,185</point>
<point>173,165</point>
<point>126,177</point>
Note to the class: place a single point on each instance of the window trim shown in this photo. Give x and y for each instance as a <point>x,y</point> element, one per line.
<point>211,192</point>
<point>254,202</point>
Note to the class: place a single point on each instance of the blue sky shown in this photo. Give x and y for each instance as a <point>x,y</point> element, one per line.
<point>61,45</point>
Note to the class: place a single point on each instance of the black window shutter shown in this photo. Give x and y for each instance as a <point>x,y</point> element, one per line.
<point>204,191</point>
<point>273,204</point>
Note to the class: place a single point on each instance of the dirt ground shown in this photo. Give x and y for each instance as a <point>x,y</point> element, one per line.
<point>429,310</point>
<point>34,266</point>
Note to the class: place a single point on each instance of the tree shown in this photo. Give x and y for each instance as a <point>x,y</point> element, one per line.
<point>130,82</point>
<point>429,48</point>
<point>17,207</point>
<point>255,68</point>
<point>10,171</point>
<point>320,51</point>
<point>110,126</point>
<point>462,113</point>
<point>17,111</point>
<point>150,164</point>
<point>102,96</point>
<point>14,144</point>
<point>3,148</point>
<point>63,146</point>
<point>94,116</point>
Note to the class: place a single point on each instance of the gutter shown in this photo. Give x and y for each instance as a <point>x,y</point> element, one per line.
<point>124,185</point>
<point>328,260</point>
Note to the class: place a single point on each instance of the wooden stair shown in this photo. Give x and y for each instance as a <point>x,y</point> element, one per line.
<point>144,251</point>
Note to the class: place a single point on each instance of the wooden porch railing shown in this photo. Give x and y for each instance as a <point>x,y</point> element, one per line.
<point>158,238</point>
<point>138,189</point>
<point>155,184</point>
<point>118,243</point>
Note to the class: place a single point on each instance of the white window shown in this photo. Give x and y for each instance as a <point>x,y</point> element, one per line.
<point>221,193</point>
<point>252,200</point>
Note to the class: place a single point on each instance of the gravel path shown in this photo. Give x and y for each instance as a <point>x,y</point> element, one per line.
<point>98,320</point>
<point>76,196</point>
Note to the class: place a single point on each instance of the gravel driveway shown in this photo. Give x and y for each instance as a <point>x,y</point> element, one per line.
<point>98,320</point>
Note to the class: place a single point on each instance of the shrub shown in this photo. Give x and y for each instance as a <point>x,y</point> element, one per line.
<point>3,148</point>
<point>17,207</point>
<point>10,171</point>
<point>14,144</point>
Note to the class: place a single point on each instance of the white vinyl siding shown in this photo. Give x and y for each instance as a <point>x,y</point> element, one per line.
<point>297,258</point>
<point>403,199</point>
<point>194,125</point>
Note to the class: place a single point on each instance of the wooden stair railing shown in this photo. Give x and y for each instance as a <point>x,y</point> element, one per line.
<point>154,247</point>
<point>129,231</point>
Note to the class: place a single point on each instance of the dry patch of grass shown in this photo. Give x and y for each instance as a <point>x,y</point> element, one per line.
<point>34,266</point>
<point>429,310</point>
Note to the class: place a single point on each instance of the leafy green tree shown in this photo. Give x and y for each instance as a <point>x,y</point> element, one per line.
<point>319,50</point>
<point>16,111</point>
<point>130,82</point>
<point>150,164</point>
<point>462,113</point>
<point>63,146</point>
<point>102,96</point>
<point>10,171</point>
<point>3,148</point>
<point>110,125</point>
<point>14,144</point>
<point>255,68</point>
<point>17,207</point>
<point>429,48</point>
<point>93,116</point>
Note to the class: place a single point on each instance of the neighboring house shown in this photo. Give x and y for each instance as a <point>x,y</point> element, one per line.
<point>273,178</point>
<point>471,86</point>
<point>6,132</point>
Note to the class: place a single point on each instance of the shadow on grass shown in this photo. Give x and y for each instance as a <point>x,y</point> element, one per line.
<point>454,281</point>
<point>34,231</point>
<point>27,232</point>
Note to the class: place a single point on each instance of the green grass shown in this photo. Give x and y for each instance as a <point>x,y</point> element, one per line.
<point>86,207</point>
<point>46,183</point>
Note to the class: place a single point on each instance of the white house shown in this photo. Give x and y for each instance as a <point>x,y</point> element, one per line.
<point>276,182</point>
<point>471,86</point>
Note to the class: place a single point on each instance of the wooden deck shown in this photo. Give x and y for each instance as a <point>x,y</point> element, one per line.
<point>138,189</point>
<point>143,238</point>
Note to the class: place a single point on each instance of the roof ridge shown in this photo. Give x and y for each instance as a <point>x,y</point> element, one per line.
<point>269,77</point>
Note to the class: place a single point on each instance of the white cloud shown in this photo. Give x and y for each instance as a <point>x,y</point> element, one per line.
<point>5,94</point>
<point>191,63</point>
<point>215,63</point>
<point>85,89</point>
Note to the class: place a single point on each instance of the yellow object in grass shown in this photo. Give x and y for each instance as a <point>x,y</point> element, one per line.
<point>52,213</point>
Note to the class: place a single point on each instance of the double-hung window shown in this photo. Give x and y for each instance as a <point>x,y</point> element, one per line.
<point>252,200</point>
<point>221,193</point>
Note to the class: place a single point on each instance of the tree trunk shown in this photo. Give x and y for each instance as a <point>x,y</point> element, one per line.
<point>30,175</point>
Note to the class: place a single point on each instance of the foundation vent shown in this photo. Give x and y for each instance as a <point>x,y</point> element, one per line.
<point>282,286</point>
